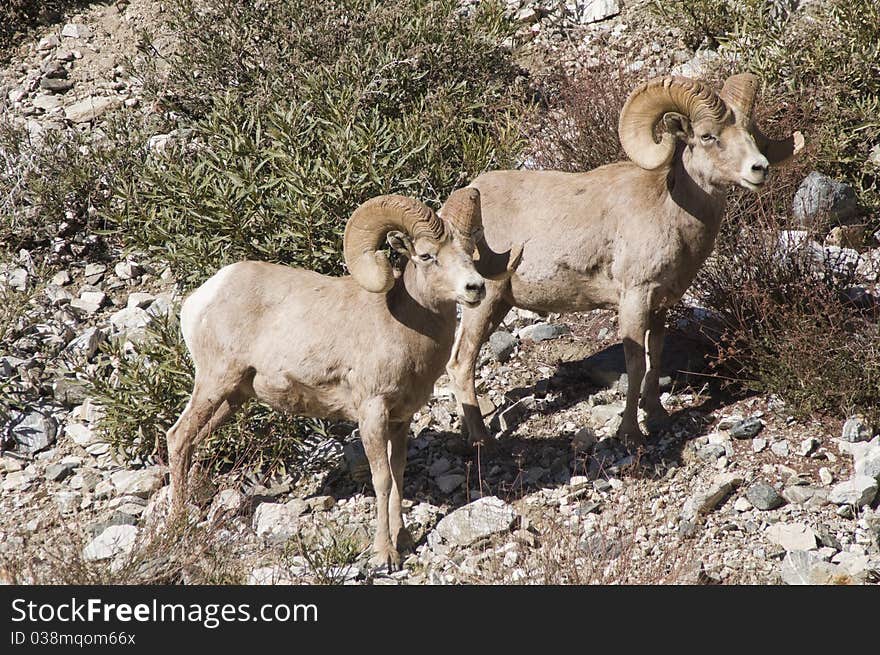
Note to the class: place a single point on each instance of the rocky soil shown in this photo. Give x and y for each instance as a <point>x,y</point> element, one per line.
<point>735,491</point>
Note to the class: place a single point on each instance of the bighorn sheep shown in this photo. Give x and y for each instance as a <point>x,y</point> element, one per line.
<point>628,236</point>
<point>366,347</point>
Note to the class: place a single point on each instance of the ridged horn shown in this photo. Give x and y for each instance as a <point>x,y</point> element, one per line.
<point>648,103</point>
<point>463,213</point>
<point>367,228</point>
<point>739,92</point>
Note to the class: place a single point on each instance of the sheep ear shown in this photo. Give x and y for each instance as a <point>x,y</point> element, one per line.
<point>400,242</point>
<point>678,125</point>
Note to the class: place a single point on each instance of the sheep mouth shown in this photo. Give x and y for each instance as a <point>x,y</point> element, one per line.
<point>751,186</point>
<point>470,304</point>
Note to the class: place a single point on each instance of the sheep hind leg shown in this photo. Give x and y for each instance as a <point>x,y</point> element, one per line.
<point>657,416</point>
<point>400,536</point>
<point>201,414</point>
<point>633,317</point>
<point>374,431</point>
<point>476,326</point>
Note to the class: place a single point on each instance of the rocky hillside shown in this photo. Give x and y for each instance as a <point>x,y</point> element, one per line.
<point>740,488</point>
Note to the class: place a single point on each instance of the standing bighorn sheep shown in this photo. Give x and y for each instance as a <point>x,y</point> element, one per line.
<point>628,236</point>
<point>368,347</point>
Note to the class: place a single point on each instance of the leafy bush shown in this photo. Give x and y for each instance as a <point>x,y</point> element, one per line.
<point>148,389</point>
<point>785,318</point>
<point>324,105</point>
<point>53,182</point>
<point>701,22</point>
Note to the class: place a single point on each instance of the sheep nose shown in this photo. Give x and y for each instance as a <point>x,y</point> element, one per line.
<point>762,167</point>
<point>475,287</point>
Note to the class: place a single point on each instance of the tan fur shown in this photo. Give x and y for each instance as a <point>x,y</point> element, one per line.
<point>325,347</point>
<point>618,237</point>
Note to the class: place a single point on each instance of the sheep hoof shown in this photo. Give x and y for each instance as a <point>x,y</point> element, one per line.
<point>388,557</point>
<point>657,420</point>
<point>632,438</point>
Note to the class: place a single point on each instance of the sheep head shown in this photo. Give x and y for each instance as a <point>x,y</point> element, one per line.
<point>442,262</point>
<point>724,146</point>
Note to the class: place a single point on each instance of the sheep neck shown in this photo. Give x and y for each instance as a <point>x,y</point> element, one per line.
<point>695,194</point>
<point>413,303</point>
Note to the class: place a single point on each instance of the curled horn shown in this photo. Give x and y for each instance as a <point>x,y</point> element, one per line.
<point>367,228</point>
<point>739,93</point>
<point>648,103</point>
<point>462,213</point>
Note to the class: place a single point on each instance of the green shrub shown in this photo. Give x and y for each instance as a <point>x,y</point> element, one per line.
<point>701,22</point>
<point>150,385</point>
<point>324,105</point>
<point>53,183</point>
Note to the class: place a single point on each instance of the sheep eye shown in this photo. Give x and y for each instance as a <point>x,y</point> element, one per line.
<point>426,257</point>
<point>708,138</point>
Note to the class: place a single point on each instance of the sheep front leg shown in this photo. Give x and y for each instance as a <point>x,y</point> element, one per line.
<point>633,318</point>
<point>657,416</point>
<point>400,536</point>
<point>476,326</point>
<point>374,429</point>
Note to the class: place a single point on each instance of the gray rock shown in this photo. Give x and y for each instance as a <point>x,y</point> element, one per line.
<point>142,300</point>
<point>35,432</point>
<point>439,466</point>
<point>56,295</point>
<point>859,491</point>
<point>819,196</point>
<point>543,331</point>
<point>46,102</point>
<point>758,444</point>
<point>129,319</point>
<point>502,344</point>
<point>450,482</point>
<point>779,448</point>
<point>355,462</point>
<point>277,522</point>
<point>69,390</point>
<point>86,345</point>
<point>746,429</point>
<point>57,472</point>
<point>56,85</point>
<point>856,429</point>
<point>128,270</point>
<point>114,540</point>
<point>82,435</point>
<point>764,496</point>
<point>584,440</point>
<point>711,452</point>
<point>804,494</point>
<point>704,501</point>
<point>510,417</point>
<point>474,521</point>
<point>227,502</point>
<point>68,502</point>
<point>807,446</point>
<point>16,278</point>
<point>867,463</point>
<point>90,108</point>
<point>791,536</point>
<point>141,483</point>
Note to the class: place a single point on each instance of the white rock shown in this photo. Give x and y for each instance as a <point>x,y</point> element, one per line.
<point>704,501</point>
<point>791,536</point>
<point>476,520</point>
<point>140,299</point>
<point>277,522</point>
<point>115,540</point>
<point>81,434</point>
<point>76,31</point>
<point>129,319</point>
<point>226,503</point>
<point>806,568</point>
<point>859,491</point>
<point>592,11</point>
<point>90,108</point>
<point>141,483</point>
